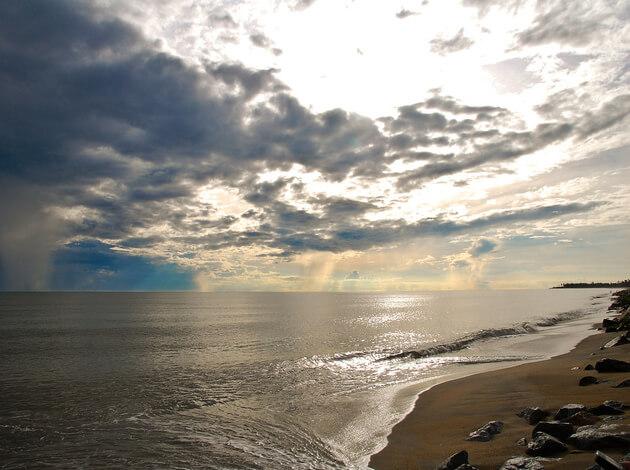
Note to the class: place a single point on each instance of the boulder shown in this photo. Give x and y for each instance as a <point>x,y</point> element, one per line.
<point>623,384</point>
<point>523,463</point>
<point>556,429</point>
<point>615,404</point>
<point>605,436</point>
<point>533,415</point>
<point>608,408</point>
<point>544,445</point>
<point>604,462</point>
<point>486,432</point>
<point>582,418</point>
<point>608,322</point>
<point>454,461</point>
<point>612,365</point>
<point>568,410</point>
<point>617,341</point>
<point>587,380</point>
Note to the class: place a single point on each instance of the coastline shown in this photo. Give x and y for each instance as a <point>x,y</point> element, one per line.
<point>446,413</point>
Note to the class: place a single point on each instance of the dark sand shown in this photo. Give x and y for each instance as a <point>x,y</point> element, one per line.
<point>444,415</point>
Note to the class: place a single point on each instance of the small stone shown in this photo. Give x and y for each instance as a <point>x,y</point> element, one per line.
<point>612,365</point>
<point>544,445</point>
<point>454,461</point>
<point>568,410</point>
<point>615,404</point>
<point>587,380</point>
<point>624,384</point>
<point>589,367</point>
<point>575,368</point>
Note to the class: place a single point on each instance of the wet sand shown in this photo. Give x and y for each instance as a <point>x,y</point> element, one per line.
<point>444,415</point>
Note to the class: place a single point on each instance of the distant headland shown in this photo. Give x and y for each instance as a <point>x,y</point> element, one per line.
<point>587,285</point>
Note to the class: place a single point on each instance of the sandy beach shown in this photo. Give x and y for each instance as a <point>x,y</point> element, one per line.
<point>444,415</point>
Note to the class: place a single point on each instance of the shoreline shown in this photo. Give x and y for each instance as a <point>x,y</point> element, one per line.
<point>445,413</point>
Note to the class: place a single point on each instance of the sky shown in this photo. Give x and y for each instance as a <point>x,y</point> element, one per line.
<point>313,145</point>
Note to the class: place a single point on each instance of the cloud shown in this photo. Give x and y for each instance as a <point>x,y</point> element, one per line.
<point>564,22</point>
<point>403,13</point>
<point>447,46</point>
<point>481,247</point>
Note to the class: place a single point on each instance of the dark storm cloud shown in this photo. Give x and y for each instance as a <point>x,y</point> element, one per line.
<point>456,43</point>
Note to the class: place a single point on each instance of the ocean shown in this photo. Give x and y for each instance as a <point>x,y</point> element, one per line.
<point>250,380</point>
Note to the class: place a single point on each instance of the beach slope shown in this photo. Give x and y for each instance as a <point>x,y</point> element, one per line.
<point>444,415</point>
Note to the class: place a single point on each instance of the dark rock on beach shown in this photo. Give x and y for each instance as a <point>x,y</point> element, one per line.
<point>533,415</point>
<point>568,410</point>
<point>608,408</point>
<point>617,341</point>
<point>522,442</point>
<point>587,380</point>
<point>522,463</point>
<point>623,384</point>
<point>604,462</point>
<point>454,461</point>
<point>589,367</point>
<point>606,436</point>
<point>544,445</point>
<point>556,429</point>
<point>582,418</point>
<point>612,365</point>
<point>486,432</point>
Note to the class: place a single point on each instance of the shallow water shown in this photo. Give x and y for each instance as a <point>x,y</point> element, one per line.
<point>243,380</point>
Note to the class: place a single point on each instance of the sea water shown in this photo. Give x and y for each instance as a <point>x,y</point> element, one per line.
<point>250,380</point>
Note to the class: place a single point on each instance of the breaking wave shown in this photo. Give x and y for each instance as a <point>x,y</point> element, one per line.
<point>490,333</point>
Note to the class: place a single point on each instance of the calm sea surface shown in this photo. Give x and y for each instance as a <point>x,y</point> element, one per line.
<point>240,380</point>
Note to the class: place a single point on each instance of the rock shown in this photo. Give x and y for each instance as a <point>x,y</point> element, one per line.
<point>605,462</point>
<point>466,466</point>
<point>522,463</point>
<point>618,341</point>
<point>610,324</point>
<point>533,415</point>
<point>568,410</point>
<point>544,445</point>
<point>554,428</point>
<point>582,418</point>
<point>485,432</point>
<point>605,436</point>
<point>454,461</point>
<point>587,380</point>
<point>612,365</point>
<point>589,367</point>
<point>624,384</point>
<point>522,442</point>
<point>615,404</point>
<point>608,408</point>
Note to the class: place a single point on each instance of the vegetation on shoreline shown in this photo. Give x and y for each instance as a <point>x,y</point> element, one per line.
<point>592,285</point>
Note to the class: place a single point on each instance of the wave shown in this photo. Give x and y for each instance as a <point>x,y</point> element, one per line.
<point>490,333</point>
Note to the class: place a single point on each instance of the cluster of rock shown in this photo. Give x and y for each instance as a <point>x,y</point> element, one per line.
<point>573,425</point>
